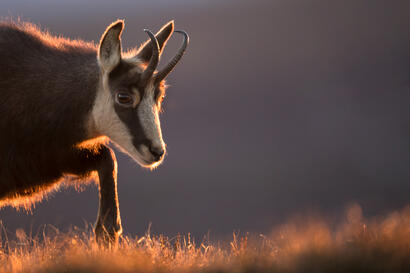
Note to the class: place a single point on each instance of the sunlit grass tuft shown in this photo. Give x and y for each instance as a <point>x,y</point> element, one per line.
<point>313,245</point>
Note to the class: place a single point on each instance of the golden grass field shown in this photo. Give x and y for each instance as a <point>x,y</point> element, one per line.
<point>301,245</point>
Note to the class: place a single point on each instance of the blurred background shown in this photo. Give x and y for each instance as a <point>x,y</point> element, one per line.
<point>279,107</point>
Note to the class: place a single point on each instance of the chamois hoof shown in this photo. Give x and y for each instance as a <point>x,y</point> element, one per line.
<point>107,236</point>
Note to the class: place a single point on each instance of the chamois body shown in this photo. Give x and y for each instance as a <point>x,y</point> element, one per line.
<point>60,100</point>
<point>47,90</point>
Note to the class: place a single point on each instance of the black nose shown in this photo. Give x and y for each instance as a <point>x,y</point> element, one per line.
<point>157,152</point>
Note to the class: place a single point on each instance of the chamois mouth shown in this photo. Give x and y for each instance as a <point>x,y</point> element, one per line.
<point>148,158</point>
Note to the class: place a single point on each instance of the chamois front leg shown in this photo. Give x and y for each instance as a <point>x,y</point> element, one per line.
<point>102,159</point>
<point>108,225</point>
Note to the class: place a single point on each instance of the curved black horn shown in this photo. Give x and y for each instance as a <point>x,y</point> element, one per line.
<point>153,62</point>
<point>170,66</point>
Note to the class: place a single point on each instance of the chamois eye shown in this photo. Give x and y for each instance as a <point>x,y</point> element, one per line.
<point>124,99</point>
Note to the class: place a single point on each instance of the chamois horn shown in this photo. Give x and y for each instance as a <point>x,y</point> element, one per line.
<point>170,66</point>
<point>153,62</point>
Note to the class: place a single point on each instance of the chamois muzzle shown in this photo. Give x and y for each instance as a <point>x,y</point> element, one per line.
<point>170,66</point>
<point>153,63</point>
<point>157,152</point>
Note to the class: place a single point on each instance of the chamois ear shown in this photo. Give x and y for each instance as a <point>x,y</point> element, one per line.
<point>109,52</point>
<point>145,51</point>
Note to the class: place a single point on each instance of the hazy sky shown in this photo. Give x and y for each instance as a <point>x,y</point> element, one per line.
<point>279,107</point>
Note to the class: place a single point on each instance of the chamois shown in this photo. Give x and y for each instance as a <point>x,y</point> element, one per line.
<point>62,100</point>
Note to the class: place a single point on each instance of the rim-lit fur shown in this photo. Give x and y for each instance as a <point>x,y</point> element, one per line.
<point>60,103</point>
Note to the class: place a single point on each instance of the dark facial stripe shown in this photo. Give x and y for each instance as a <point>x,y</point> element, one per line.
<point>121,80</point>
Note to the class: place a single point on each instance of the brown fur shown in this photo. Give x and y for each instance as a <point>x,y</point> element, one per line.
<point>48,92</point>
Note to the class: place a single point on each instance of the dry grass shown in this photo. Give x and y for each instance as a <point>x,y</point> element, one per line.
<point>356,245</point>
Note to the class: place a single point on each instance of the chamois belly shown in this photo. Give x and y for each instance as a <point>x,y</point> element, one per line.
<point>28,173</point>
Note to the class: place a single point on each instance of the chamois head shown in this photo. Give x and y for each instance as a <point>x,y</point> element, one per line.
<point>131,92</point>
